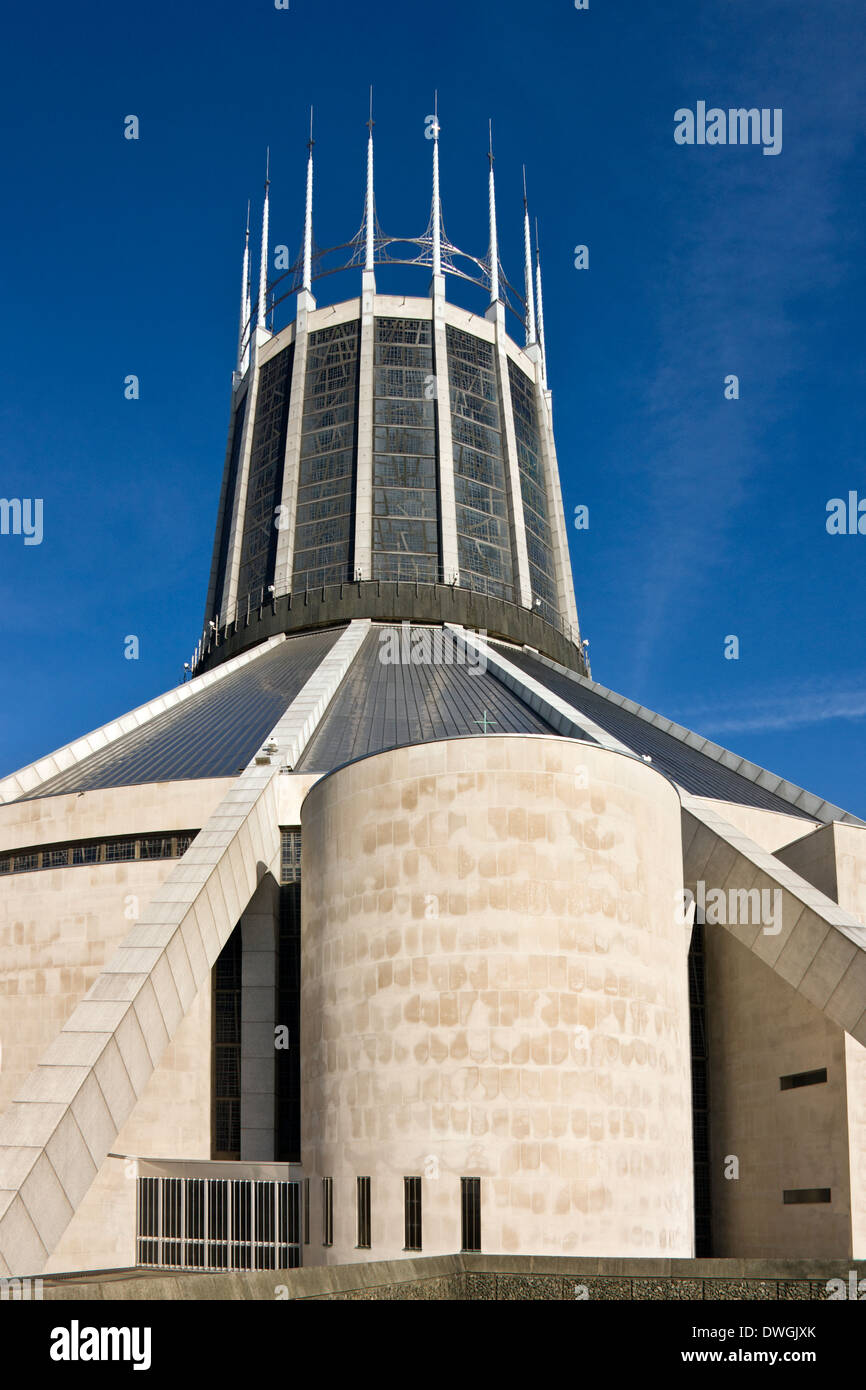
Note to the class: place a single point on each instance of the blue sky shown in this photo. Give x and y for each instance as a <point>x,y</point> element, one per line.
<point>707,516</point>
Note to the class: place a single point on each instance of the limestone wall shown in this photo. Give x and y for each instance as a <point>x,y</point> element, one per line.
<point>494,984</point>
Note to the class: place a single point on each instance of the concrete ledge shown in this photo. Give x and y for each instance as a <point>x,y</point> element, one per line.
<point>386,601</point>
<point>476,1278</point>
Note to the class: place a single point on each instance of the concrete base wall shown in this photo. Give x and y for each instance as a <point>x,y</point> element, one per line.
<point>483,1278</point>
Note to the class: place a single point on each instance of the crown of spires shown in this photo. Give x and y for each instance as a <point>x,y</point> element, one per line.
<point>534,327</point>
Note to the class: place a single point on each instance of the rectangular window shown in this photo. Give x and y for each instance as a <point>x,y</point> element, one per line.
<point>800,1196</point>
<point>470,1213</point>
<point>226,1049</point>
<point>157,848</point>
<point>363,1213</point>
<point>412,1213</point>
<point>265,478</point>
<point>322,548</point>
<point>118,850</point>
<point>327,1211</point>
<point>802,1078</point>
<point>290,856</point>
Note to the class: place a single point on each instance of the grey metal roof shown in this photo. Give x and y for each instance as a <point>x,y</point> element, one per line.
<point>381,706</point>
<point>214,733</point>
<point>697,773</point>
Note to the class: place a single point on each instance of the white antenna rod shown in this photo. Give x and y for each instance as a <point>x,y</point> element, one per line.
<point>245,276</point>
<point>540,304</point>
<point>527,250</point>
<point>437,207</point>
<point>308,219</point>
<point>494,240</point>
<point>263,265</point>
<point>371,245</point>
<point>249,321</point>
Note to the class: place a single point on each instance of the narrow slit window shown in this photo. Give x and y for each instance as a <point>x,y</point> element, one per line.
<point>412,1213</point>
<point>327,1211</point>
<point>470,1213</point>
<point>363,1213</point>
<point>802,1078</point>
<point>800,1196</point>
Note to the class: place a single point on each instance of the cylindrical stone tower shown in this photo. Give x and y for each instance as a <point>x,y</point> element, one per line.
<point>494,986</point>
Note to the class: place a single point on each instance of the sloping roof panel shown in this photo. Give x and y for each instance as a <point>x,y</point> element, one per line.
<point>213,734</point>
<point>383,705</point>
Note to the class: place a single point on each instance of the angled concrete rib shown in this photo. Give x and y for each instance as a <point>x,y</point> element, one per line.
<point>820,950</point>
<point>61,1125</point>
<point>551,707</point>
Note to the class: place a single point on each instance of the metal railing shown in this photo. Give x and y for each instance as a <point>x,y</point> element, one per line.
<point>218,1223</point>
<point>325,578</point>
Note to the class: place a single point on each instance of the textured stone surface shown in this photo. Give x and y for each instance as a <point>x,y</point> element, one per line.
<point>607,1289</point>
<point>667,1289</point>
<point>538,1287</point>
<point>479,1287</point>
<point>795,1289</point>
<point>526,1023</point>
<point>751,1289</point>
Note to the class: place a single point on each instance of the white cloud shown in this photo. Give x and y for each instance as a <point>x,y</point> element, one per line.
<point>789,710</point>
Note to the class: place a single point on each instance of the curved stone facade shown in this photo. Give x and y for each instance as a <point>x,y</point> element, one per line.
<point>494,985</point>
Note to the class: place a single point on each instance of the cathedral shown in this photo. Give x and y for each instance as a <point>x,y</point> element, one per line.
<point>391,930</point>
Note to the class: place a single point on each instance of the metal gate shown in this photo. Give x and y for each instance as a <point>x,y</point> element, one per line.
<point>218,1223</point>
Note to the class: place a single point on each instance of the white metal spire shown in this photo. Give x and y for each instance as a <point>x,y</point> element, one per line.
<point>244,325</point>
<point>527,252</point>
<point>540,306</point>
<point>245,361</point>
<point>308,217</point>
<point>263,265</point>
<point>437,206</point>
<point>494,239</point>
<point>371,241</point>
